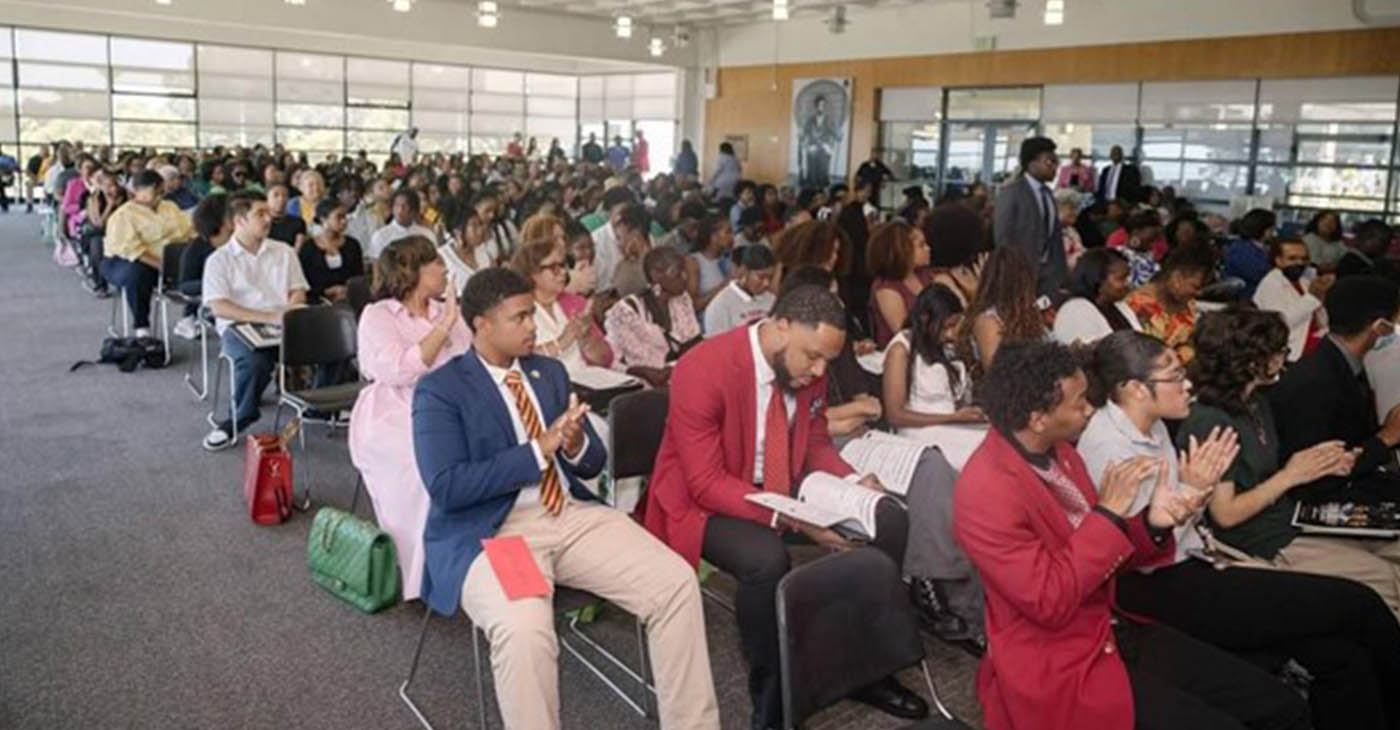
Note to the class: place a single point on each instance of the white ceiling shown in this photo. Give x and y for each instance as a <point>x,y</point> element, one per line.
<point>695,13</point>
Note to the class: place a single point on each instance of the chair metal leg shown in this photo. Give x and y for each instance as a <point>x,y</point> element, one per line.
<point>164,323</point>
<point>480,684</point>
<point>720,600</point>
<point>933,693</point>
<point>213,417</point>
<point>621,693</point>
<point>202,391</point>
<point>119,302</point>
<point>413,669</point>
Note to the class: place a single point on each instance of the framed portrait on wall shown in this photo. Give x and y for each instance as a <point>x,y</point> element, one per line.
<point>821,131</point>
<point>740,143</point>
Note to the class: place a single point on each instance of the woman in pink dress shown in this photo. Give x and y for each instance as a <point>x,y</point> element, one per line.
<point>403,335</point>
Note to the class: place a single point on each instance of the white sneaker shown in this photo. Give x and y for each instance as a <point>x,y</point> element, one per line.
<point>218,440</point>
<point>186,328</point>
<point>141,332</point>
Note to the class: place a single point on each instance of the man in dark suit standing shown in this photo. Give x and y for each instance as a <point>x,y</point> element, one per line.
<point>1327,396</point>
<point>1026,215</point>
<point>1119,180</point>
<point>748,414</point>
<point>493,469</point>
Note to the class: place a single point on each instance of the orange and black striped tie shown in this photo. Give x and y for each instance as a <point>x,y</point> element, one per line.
<point>551,493</point>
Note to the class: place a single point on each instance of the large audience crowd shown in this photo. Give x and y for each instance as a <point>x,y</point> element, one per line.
<point>1120,401</point>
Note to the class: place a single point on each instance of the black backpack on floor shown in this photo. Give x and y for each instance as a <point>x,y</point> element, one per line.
<point>129,353</point>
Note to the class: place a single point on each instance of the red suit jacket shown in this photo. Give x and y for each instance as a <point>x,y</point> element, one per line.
<point>1051,662</point>
<point>705,465</point>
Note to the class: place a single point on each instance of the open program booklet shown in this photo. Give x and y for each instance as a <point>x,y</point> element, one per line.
<point>826,500</point>
<point>891,458</point>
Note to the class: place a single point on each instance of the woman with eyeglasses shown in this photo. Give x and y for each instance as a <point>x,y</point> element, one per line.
<point>571,340</point>
<point>1339,630</point>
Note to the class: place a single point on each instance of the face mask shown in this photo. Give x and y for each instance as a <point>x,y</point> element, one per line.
<point>1294,272</point>
<point>1385,340</point>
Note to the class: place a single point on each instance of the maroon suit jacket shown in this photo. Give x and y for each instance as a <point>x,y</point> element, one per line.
<point>705,465</point>
<point>1051,662</point>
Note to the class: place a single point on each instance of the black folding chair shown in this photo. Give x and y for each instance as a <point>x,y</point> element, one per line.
<point>320,336</point>
<point>845,622</point>
<point>357,294</point>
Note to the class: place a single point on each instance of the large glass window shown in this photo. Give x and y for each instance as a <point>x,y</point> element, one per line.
<point>498,109</point>
<point>63,88</point>
<point>378,94</point>
<point>617,105</point>
<point>311,103</point>
<point>153,104</point>
<point>551,110</point>
<point>441,106</point>
<point>235,96</point>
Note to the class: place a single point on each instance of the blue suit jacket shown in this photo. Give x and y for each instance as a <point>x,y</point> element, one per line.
<point>473,465</point>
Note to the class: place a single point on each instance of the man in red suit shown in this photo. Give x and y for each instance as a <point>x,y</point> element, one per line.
<point>1048,547</point>
<point>748,413</point>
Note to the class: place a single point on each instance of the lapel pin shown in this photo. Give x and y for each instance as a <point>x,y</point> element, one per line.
<point>535,374</point>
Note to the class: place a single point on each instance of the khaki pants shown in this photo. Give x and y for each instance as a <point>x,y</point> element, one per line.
<point>600,550</point>
<point>1373,562</point>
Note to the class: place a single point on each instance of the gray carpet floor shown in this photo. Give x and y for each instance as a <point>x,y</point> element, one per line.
<point>137,593</point>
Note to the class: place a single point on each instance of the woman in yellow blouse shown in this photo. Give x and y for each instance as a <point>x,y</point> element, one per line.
<point>313,189</point>
<point>136,235</point>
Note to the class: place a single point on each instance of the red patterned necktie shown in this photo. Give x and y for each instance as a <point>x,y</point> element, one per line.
<point>551,493</point>
<point>777,473</point>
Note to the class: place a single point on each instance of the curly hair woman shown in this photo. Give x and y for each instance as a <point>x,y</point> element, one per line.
<point>1003,309</point>
<point>1239,352</point>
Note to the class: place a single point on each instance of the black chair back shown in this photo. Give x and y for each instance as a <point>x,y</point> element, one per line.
<point>317,336</point>
<point>170,263</point>
<point>636,423</point>
<point>844,622</point>
<point>357,294</point>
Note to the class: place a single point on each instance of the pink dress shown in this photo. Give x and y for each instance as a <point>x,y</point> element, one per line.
<point>381,426</point>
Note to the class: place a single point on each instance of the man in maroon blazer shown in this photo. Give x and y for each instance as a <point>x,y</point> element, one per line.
<point>1048,547</point>
<point>748,413</point>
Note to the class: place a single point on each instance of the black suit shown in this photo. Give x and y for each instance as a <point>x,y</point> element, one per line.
<point>1353,264</point>
<point>1320,399</point>
<point>1129,183</point>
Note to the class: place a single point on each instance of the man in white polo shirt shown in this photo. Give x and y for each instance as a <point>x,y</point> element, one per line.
<point>250,279</point>
<point>403,224</point>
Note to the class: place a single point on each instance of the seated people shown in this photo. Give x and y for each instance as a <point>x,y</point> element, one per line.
<point>251,279</point>
<point>1368,245</point>
<point>501,447</point>
<point>1323,238</point>
<point>289,229</point>
<point>897,256</point>
<point>1166,306</point>
<point>650,330</point>
<point>1239,353</point>
<point>927,395</point>
<point>1047,547</point>
<point>371,213</point>
<point>955,236</point>
<point>1004,309</point>
<point>1326,396</point>
<point>628,275</point>
<point>607,244</point>
<point>212,227</point>
<point>569,338</point>
<point>750,231</point>
<point>1297,299</point>
<point>1247,258</point>
<point>709,267</point>
<point>746,409</point>
<point>107,197</point>
<point>403,222</point>
<point>404,334</point>
<point>1097,284</point>
<point>331,258</point>
<point>815,242</point>
<point>1142,228</point>
<point>748,296</point>
<point>136,235</point>
<point>465,252</point>
<point>1338,630</point>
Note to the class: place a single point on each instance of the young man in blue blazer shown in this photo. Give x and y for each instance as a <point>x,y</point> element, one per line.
<point>501,446</point>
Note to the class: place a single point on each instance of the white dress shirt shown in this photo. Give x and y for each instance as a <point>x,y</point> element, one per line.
<point>530,493</point>
<point>1276,293</point>
<point>393,232</point>
<point>1078,321</point>
<point>263,280</point>
<point>606,253</point>
<point>763,382</point>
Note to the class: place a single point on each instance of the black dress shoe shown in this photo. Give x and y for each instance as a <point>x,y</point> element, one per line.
<point>889,696</point>
<point>932,609</point>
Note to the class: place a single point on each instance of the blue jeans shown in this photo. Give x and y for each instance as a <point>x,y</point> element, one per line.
<point>252,371</point>
<point>138,280</point>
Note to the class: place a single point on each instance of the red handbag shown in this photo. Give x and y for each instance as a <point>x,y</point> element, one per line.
<point>267,478</point>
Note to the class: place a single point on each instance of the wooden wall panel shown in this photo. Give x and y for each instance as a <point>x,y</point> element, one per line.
<point>755,100</point>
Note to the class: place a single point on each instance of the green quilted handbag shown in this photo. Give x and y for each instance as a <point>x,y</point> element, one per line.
<point>353,559</point>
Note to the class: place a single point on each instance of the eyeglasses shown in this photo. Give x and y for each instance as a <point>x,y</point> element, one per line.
<point>554,268</point>
<point>1178,377</point>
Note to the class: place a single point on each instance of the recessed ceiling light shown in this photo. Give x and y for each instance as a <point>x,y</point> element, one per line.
<point>487,14</point>
<point>780,9</point>
<point>1054,12</point>
<point>402,6</point>
<point>656,46</point>
<point>623,26</point>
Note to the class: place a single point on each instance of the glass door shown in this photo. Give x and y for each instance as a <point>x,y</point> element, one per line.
<point>984,151</point>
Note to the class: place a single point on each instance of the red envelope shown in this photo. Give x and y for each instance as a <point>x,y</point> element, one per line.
<point>515,567</point>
